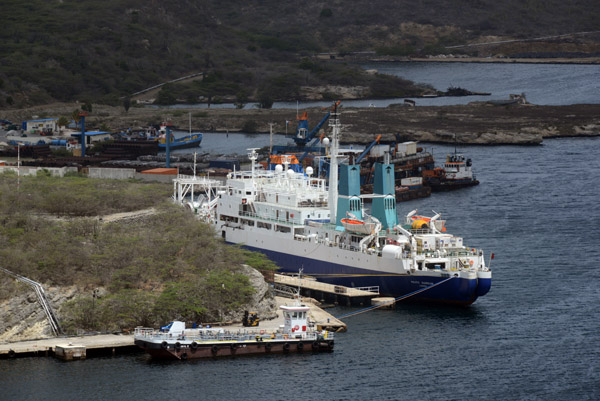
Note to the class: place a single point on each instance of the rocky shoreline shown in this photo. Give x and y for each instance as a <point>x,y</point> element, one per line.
<point>22,317</point>
<point>477,123</point>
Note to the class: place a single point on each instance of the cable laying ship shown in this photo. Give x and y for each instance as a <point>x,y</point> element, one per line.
<point>298,222</point>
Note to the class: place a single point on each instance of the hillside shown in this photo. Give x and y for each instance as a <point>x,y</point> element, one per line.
<point>117,272</point>
<point>76,50</point>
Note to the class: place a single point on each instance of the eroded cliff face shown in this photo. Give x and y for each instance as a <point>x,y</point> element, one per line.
<point>262,302</point>
<point>22,317</point>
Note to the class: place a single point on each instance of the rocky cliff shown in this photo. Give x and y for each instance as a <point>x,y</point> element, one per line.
<point>22,318</point>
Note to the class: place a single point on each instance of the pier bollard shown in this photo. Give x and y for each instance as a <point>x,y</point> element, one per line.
<point>70,352</point>
<point>385,302</point>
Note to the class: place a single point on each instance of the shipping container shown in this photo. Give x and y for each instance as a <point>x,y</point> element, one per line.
<point>411,181</point>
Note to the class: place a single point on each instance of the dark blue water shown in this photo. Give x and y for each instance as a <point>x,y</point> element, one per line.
<point>535,336</point>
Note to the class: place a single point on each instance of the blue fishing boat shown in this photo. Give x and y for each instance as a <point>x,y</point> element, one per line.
<point>187,141</point>
<point>192,140</point>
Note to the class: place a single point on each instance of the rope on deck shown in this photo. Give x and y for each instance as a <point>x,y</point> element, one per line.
<point>400,298</point>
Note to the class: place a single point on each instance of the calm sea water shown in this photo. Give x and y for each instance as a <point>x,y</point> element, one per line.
<point>533,337</point>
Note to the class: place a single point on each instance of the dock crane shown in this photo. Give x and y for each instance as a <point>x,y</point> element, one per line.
<point>368,149</point>
<point>302,135</point>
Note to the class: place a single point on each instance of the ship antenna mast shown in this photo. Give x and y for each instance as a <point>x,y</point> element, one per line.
<point>253,156</point>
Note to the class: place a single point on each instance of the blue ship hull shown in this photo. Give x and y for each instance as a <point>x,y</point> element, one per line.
<point>459,291</point>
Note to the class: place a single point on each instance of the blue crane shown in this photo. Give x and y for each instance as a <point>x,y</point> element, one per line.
<point>302,135</point>
<point>368,149</point>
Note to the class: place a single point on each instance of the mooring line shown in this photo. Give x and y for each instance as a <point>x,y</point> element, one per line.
<point>394,301</point>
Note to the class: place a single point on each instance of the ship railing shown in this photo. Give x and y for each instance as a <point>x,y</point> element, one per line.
<point>144,331</point>
<point>242,335</point>
<point>420,231</point>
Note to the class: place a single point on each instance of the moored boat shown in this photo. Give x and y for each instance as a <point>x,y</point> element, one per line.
<point>192,140</point>
<point>298,335</point>
<point>296,220</point>
<point>186,141</point>
<point>456,173</point>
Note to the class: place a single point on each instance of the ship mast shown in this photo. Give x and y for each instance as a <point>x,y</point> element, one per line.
<point>334,122</point>
<point>253,156</point>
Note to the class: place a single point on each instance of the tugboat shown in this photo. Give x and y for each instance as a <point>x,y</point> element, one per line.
<point>298,335</point>
<point>456,173</point>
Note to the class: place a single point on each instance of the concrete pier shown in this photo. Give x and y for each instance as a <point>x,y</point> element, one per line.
<point>82,347</point>
<point>69,352</point>
<point>383,302</point>
<point>101,344</point>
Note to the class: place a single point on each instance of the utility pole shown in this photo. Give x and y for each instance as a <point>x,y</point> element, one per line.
<point>83,114</point>
<point>18,165</point>
<point>270,138</point>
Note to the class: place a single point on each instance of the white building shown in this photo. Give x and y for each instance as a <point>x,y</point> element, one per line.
<point>48,125</point>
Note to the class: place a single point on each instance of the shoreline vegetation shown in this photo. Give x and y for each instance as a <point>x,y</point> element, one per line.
<point>106,274</point>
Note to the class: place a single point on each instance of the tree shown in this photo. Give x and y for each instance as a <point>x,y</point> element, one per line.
<point>265,100</point>
<point>326,13</point>
<point>165,96</point>
<point>62,121</point>
<point>87,106</point>
<point>241,98</point>
<point>75,117</point>
<point>126,104</point>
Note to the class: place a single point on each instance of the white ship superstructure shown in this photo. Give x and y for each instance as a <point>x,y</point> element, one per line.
<point>294,219</point>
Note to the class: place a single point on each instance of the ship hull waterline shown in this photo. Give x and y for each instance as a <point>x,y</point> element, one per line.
<point>229,349</point>
<point>458,291</point>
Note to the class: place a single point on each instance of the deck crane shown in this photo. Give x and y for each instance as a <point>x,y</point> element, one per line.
<point>368,149</point>
<point>302,135</point>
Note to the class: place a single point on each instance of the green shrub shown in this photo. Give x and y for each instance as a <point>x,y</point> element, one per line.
<point>250,126</point>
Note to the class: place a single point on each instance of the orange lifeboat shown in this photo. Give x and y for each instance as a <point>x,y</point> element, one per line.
<point>357,226</point>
